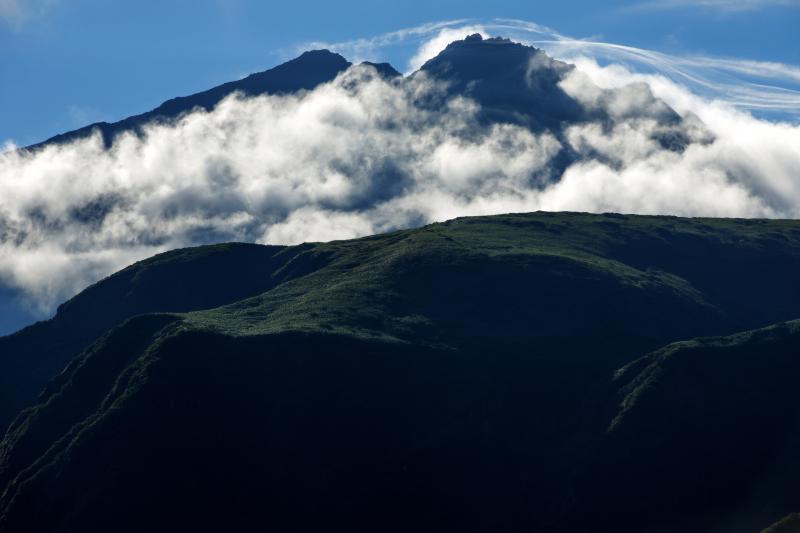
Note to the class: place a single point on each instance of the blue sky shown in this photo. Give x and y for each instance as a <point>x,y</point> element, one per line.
<point>732,64</point>
<point>65,63</point>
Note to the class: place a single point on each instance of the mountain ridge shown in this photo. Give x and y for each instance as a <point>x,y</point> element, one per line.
<point>546,371</point>
<point>305,72</point>
<point>631,263</point>
<point>33,355</point>
<point>383,348</point>
<point>513,83</point>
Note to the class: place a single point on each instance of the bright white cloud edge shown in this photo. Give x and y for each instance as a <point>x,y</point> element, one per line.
<point>315,173</point>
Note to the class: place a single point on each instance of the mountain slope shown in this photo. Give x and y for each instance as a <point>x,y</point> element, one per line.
<point>181,280</point>
<point>465,375</point>
<point>205,431</point>
<point>789,524</point>
<point>714,417</point>
<point>576,258</point>
<point>302,73</point>
<point>518,84</point>
<point>511,82</point>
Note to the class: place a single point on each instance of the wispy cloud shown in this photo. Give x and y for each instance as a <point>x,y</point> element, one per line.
<point>428,39</point>
<point>11,11</point>
<point>726,6</point>
<point>360,155</point>
<point>762,87</point>
<point>16,13</point>
<point>372,48</point>
<point>767,88</point>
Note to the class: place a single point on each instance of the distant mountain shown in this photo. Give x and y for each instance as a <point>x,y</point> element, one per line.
<point>527,372</point>
<point>303,73</point>
<point>501,373</point>
<point>519,84</point>
<point>512,82</point>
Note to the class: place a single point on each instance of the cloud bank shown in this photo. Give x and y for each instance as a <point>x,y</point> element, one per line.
<point>360,155</point>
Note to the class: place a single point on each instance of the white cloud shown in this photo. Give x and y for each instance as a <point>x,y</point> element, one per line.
<point>750,169</point>
<point>312,224</point>
<point>762,87</point>
<point>431,48</point>
<point>429,39</point>
<point>768,88</point>
<point>359,156</point>
<point>333,163</point>
<point>370,48</point>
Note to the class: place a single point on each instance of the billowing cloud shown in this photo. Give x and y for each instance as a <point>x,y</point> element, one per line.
<point>360,155</point>
<point>337,162</point>
<point>751,165</point>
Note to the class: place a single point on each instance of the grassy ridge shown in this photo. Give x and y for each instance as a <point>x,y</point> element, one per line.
<point>176,281</point>
<point>484,373</point>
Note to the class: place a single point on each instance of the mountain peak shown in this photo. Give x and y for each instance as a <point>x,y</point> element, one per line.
<point>513,82</point>
<point>304,72</point>
<point>322,54</point>
<point>386,70</point>
<point>520,84</point>
<point>496,58</point>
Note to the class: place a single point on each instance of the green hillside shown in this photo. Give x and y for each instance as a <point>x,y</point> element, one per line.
<point>181,280</point>
<point>485,373</point>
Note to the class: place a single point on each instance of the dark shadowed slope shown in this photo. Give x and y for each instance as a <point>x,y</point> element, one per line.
<point>789,524</point>
<point>560,271</point>
<point>703,436</point>
<point>177,428</point>
<point>513,82</point>
<point>519,84</point>
<point>181,280</point>
<point>305,72</point>
<point>462,376</point>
